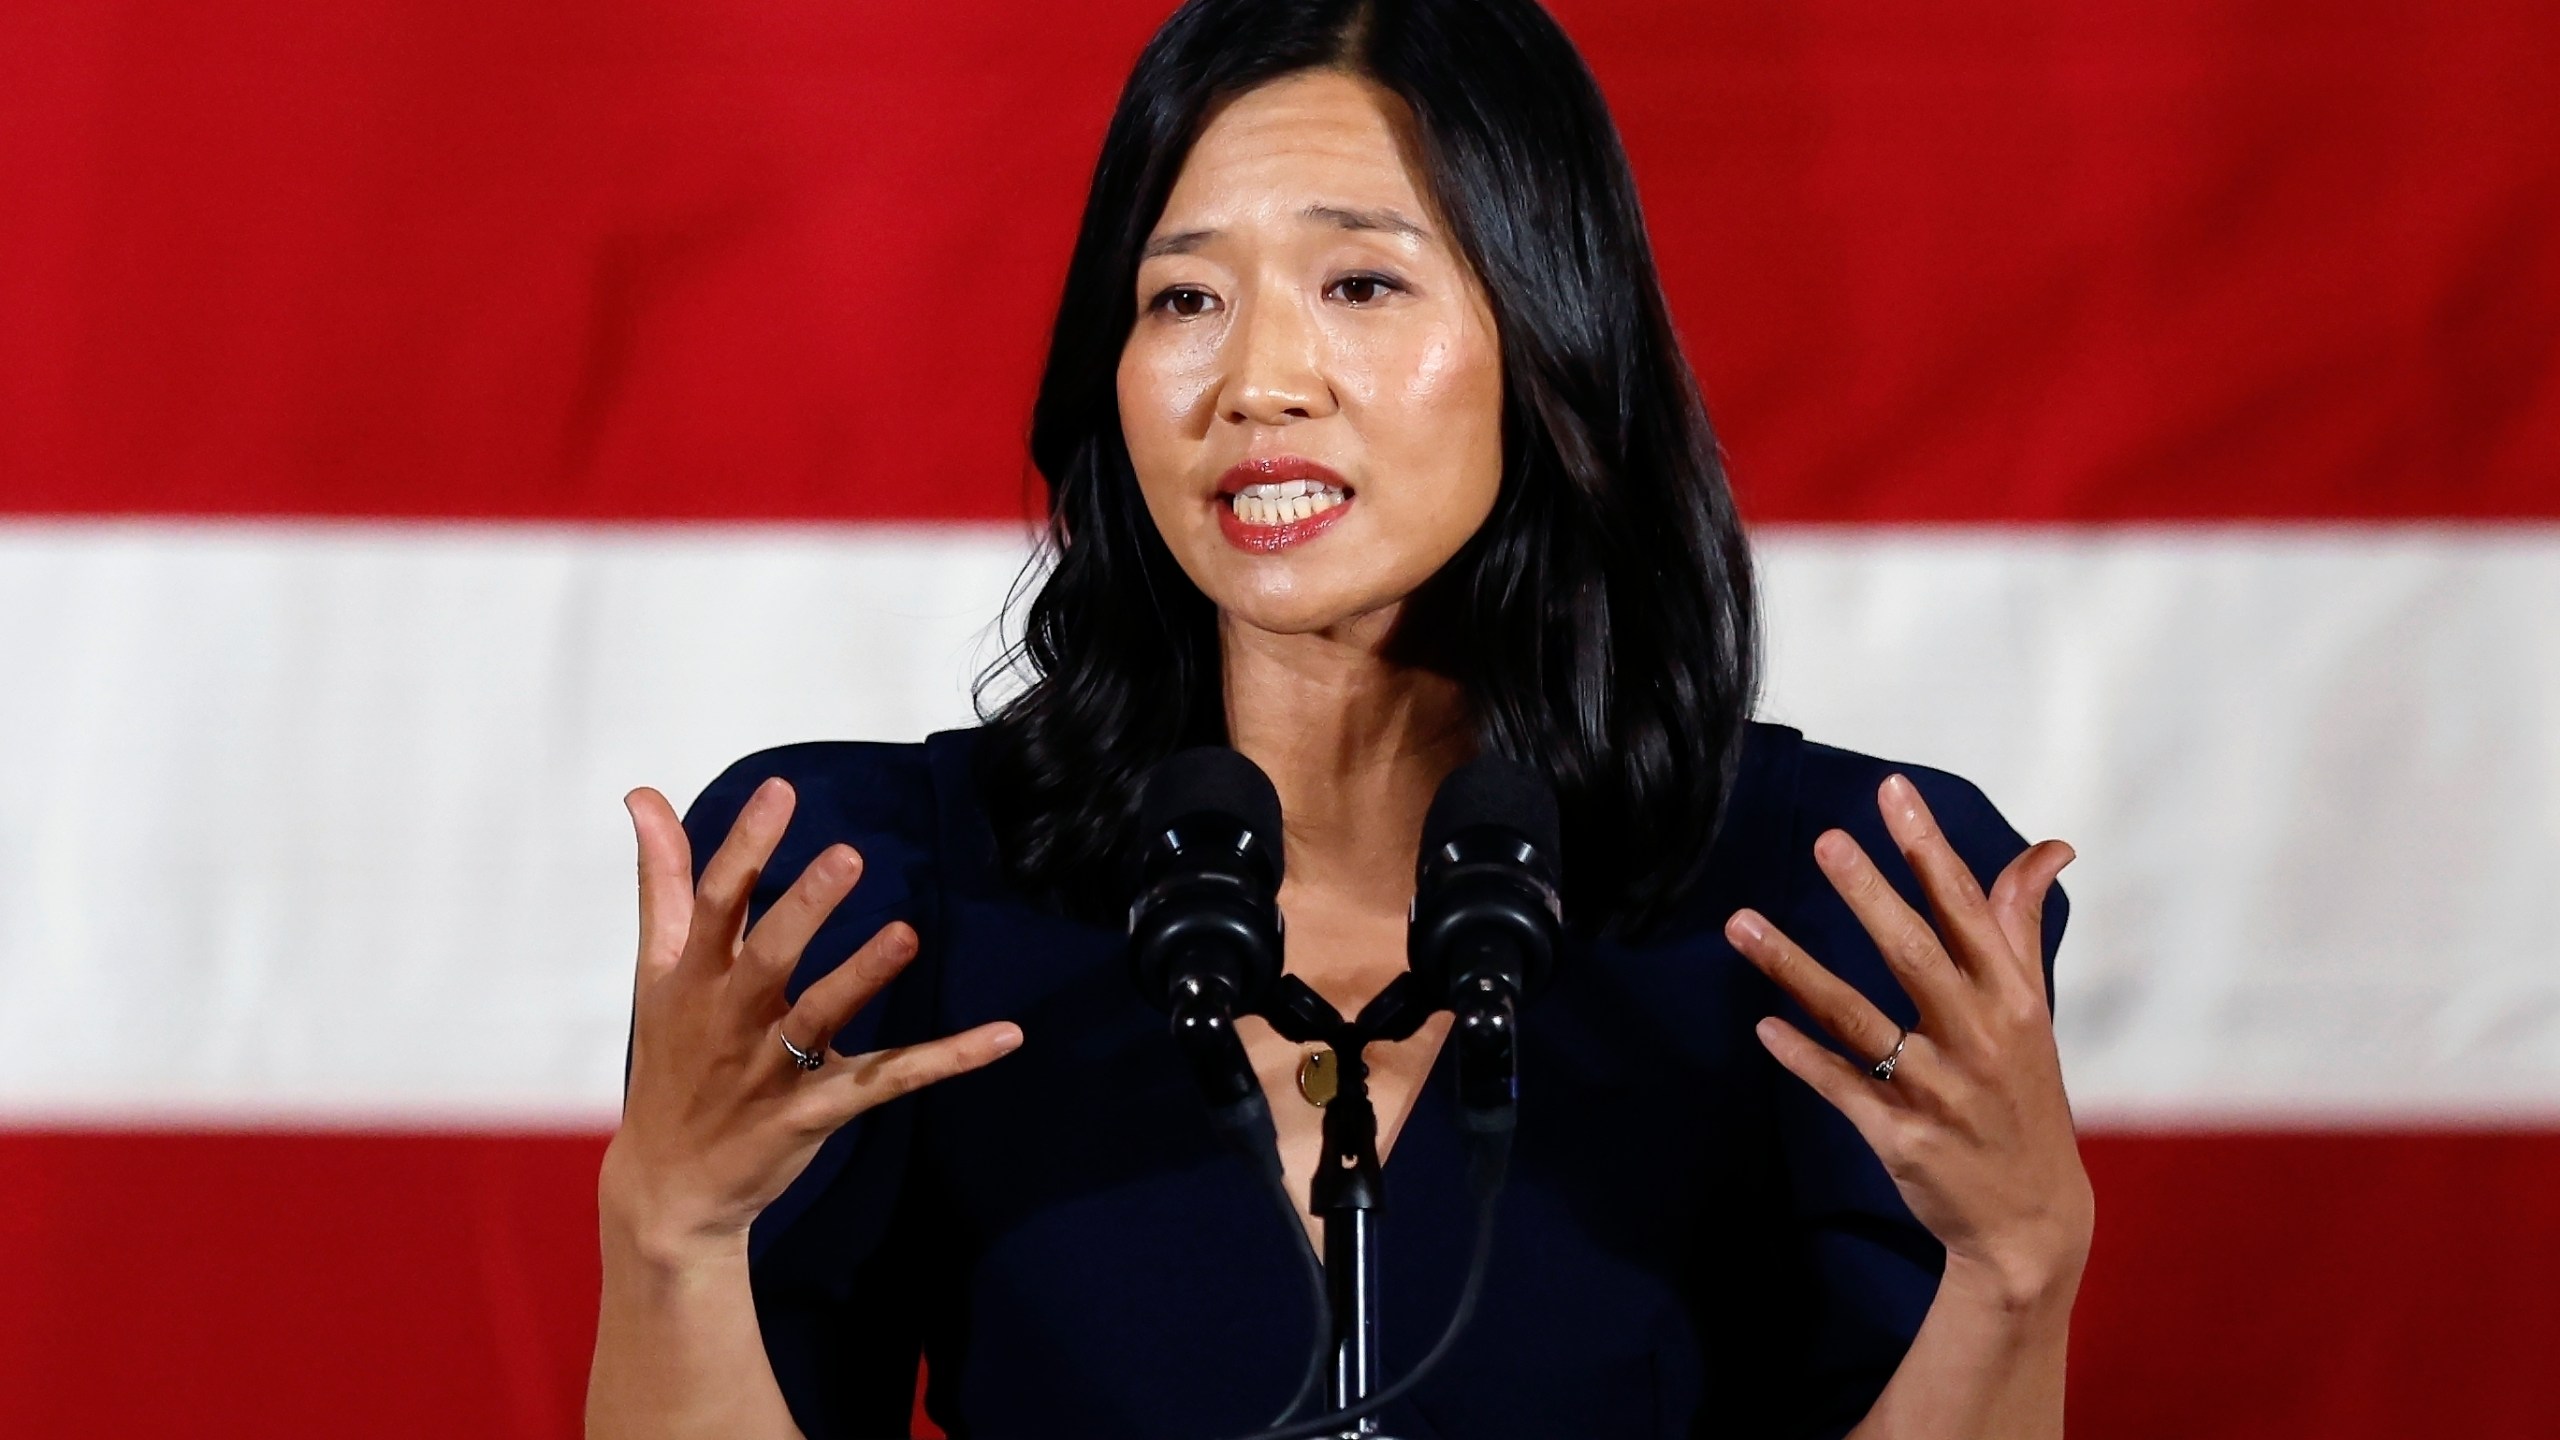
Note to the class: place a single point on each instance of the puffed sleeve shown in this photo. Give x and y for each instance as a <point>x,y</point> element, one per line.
<point>836,1265</point>
<point>1874,1269</point>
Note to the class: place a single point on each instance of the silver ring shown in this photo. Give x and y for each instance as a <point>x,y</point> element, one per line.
<point>807,1060</point>
<point>1882,1069</point>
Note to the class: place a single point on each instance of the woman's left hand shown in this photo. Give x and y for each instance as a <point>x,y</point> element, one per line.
<point>1972,1125</point>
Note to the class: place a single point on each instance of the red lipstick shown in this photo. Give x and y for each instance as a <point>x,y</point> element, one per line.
<point>1263,539</point>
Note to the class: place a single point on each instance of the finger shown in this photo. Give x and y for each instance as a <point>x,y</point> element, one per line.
<point>1850,1090</point>
<point>834,998</point>
<point>1910,948</point>
<point>1834,1003</point>
<point>884,1075</point>
<point>666,880</point>
<point>720,901</point>
<point>773,947</point>
<point>2017,904</point>
<point>1955,898</point>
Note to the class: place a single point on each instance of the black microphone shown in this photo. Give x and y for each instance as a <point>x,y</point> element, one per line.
<point>1487,919</point>
<point>1204,930</point>
<point>1204,942</point>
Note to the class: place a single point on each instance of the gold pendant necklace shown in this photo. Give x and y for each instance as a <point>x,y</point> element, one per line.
<point>1319,1076</point>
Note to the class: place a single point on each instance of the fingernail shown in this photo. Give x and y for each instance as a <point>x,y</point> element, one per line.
<point>1008,1040</point>
<point>1832,846</point>
<point>1904,794</point>
<point>1767,1029</point>
<point>885,961</point>
<point>1746,926</point>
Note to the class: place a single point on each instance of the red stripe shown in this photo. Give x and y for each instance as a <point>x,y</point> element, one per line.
<point>2334,1284</point>
<point>272,1286</point>
<point>1986,259</point>
<point>2356,1286</point>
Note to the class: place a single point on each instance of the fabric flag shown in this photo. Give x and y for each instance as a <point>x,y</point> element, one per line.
<point>422,422</point>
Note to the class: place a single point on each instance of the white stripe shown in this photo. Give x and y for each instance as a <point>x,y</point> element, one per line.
<point>321,823</point>
<point>326,821</point>
<point>2313,778</point>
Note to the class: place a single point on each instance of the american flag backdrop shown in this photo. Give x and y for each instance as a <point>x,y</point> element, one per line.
<point>423,420</point>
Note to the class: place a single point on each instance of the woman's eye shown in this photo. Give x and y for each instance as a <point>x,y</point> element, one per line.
<point>1363,289</point>
<point>1183,302</point>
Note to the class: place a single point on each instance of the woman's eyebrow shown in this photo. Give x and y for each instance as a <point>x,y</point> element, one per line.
<point>1379,219</point>
<point>1181,242</point>
<point>1184,242</point>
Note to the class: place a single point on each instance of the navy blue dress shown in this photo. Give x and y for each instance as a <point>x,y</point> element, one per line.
<point>1691,1242</point>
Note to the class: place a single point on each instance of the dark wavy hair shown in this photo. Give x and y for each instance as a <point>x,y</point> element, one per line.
<point>1601,621</point>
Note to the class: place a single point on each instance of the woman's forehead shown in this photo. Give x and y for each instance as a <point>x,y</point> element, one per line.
<point>1320,148</point>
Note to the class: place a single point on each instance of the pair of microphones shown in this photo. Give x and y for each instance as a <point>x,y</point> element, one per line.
<point>1205,929</point>
<point>1205,943</point>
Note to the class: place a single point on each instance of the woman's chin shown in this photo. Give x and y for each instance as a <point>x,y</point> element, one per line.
<point>1306,610</point>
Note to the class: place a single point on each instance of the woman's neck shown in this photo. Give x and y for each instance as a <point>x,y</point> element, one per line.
<point>1355,742</point>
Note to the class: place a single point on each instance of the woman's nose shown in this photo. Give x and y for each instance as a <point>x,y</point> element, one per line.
<point>1275,369</point>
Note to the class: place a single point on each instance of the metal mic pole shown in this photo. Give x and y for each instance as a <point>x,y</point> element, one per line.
<point>1347,1193</point>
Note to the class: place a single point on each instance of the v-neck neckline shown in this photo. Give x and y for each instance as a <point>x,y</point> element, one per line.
<point>1430,1106</point>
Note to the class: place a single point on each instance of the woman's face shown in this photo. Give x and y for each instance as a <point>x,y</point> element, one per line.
<point>1312,392</point>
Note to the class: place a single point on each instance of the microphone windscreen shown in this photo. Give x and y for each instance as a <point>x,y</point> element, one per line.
<point>1214,779</point>
<point>1490,790</point>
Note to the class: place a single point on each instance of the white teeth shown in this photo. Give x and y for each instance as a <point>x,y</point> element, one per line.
<point>1285,502</point>
<point>1285,490</point>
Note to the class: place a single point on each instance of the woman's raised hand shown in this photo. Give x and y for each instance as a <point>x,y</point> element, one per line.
<point>1972,1123</point>
<point>717,1117</point>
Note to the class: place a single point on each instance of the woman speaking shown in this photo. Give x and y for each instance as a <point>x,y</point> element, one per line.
<point>1369,449</point>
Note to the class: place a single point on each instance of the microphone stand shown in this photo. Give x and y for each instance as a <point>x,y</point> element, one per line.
<point>1349,1189</point>
<point>1347,1194</point>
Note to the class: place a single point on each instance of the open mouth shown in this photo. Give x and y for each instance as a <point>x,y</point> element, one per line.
<point>1275,502</point>
<point>1286,501</point>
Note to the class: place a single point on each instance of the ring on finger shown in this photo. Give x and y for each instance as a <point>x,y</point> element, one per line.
<point>807,1060</point>
<point>1882,1069</point>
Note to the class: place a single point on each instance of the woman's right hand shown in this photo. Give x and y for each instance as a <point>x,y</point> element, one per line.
<point>717,1118</point>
